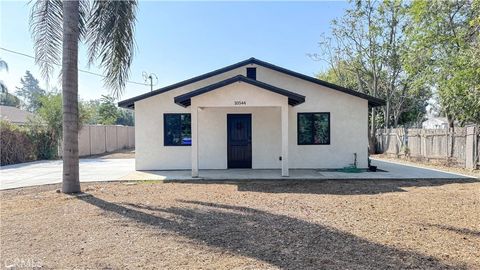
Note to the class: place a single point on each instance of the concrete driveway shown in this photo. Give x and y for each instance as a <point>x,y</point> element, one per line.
<point>50,172</point>
<point>91,170</point>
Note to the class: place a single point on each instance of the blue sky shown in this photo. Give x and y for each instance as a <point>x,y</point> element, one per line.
<point>179,40</point>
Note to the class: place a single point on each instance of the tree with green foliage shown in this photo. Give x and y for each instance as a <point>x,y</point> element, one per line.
<point>91,111</point>
<point>30,92</point>
<point>340,73</point>
<point>57,27</point>
<point>105,111</point>
<point>443,39</point>
<point>50,113</point>
<point>125,117</point>
<point>108,111</point>
<point>365,52</point>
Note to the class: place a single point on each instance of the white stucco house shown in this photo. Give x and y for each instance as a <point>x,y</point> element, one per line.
<point>251,114</point>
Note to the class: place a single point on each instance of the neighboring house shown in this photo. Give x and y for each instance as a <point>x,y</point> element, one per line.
<point>251,114</point>
<point>435,123</point>
<point>15,115</point>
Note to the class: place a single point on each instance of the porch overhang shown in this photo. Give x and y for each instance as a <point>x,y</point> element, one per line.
<point>293,98</point>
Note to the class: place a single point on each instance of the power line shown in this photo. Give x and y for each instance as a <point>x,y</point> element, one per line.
<point>80,70</point>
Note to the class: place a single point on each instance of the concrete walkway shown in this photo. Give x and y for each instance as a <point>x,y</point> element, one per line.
<point>92,170</point>
<point>388,170</point>
<point>50,172</point>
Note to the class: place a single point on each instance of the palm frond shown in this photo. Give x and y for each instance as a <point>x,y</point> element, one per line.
<point>111,40</point>
<point>84,7</point>
<point>3,65</point>
<point>46,28</point>
<point>46,24</point>
<point>3,87</point>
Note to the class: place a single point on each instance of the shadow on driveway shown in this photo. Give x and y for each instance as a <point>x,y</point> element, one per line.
<point>280,240</point>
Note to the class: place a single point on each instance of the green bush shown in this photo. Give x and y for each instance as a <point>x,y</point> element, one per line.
<point>25,143</point>
<point>15,145</point>
<point>46,144</point>
<point>38,139</point>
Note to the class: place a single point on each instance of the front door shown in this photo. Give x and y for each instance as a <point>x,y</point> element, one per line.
<point>239,140</point>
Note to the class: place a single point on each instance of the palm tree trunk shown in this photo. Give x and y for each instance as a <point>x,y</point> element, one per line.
<point>71,183</point>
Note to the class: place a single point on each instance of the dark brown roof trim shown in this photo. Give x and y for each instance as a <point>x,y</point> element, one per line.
<point>372,101</point>
<point>129,103</point>
<point>293,98</point>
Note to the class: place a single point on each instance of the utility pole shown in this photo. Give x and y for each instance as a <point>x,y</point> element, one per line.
<point>150,77</point>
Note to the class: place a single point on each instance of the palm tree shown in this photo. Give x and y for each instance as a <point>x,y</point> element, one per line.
<point>57,27</point>
<point>3,66</point>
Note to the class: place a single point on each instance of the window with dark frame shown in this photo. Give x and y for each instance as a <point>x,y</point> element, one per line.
<point>177,130</point>
<point>313,128</point>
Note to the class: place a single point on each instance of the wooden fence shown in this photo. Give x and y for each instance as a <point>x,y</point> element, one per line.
<point>433,144</point>
<point>99,139</point>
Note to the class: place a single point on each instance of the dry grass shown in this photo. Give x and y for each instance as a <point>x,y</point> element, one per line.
<point>325,225</point>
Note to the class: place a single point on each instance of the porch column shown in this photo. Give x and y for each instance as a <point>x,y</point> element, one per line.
<point>284,117</point>
<point>194,123</point>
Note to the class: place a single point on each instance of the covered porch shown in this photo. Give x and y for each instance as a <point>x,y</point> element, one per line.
<point>387,170</point>
<point>237,119</point>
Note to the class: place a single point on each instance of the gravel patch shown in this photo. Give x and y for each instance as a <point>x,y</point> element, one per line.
<point>326,225</point>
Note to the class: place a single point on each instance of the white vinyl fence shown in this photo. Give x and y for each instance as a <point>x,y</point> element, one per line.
<point>99,139</point>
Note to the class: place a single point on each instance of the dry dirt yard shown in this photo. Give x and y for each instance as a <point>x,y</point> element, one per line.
<point>323,225</point>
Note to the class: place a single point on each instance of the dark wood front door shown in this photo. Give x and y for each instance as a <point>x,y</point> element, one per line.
<point>239,140</point>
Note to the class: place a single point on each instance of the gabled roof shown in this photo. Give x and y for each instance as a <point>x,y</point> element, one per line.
<point>293,98</point>
<point>372,101</point>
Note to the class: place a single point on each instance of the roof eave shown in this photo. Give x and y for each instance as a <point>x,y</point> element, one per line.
<point>184,100</point>
<point>130,102</point>
<point>372,101</point>
<point>376,102</point>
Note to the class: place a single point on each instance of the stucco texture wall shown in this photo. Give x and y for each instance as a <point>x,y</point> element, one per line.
<point>266,124</point>
<point>348,123</point>
<point>348,117</point>
<point>266,137</point>
<point>150,154</point>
